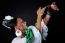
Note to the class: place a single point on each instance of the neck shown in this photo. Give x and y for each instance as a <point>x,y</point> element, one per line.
<point>23,34</point>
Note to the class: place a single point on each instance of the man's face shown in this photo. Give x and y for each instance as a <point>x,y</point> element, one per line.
<point>21,24</point>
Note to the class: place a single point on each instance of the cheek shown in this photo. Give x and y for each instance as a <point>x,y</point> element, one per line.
<point>18,24</point>
<point>54,7</point>
<point>21,25</point>
<point>24,25</point>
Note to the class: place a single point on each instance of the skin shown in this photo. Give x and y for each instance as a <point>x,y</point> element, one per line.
<point>55,8</point>
<point>40,13</point>
<point>21,25</point>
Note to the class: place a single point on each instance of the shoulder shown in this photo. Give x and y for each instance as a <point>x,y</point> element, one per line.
<point>18,40</point>
<point>15,40</point>
<point>33,28</point>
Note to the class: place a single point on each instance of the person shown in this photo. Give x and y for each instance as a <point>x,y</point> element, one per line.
<point>40,30</point>
<point>31,34</point>
<point>24,33</point>
<point>51,9</point>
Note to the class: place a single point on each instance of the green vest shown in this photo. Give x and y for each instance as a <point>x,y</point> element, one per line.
<point>29,36</point>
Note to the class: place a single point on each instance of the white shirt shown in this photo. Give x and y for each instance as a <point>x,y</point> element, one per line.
<point>19,40</point>
<point>37,35</point>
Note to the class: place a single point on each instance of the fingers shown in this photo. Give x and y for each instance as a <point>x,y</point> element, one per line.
<point>43,9</point>
<point>40,11</point>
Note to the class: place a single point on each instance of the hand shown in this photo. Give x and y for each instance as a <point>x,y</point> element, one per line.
<point>40,11</point>
<point>54,6</point>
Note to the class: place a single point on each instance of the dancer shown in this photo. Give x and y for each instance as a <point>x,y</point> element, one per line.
<point>24,33</point>
<point>31,34</point>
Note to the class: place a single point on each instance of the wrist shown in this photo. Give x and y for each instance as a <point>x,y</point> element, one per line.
<point>39,15</point>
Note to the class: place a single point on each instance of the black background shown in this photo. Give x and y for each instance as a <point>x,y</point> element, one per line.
<point>27,9</point>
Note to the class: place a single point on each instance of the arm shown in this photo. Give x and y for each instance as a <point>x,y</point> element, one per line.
<point>40,12</point>
<point>38,25</point>
<point>44,32</point>
<point>47,18</point>
<point>54,7</point>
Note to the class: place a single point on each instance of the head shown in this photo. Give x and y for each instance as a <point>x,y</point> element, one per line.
<point>54,6</point>
<point>18,23</point>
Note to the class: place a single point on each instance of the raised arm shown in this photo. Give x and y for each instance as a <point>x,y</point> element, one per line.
<point>40,12</point>
<point>54,7</point>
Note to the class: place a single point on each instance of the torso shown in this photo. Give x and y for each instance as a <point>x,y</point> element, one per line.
<point>19,40</point>
<point>37,34</point>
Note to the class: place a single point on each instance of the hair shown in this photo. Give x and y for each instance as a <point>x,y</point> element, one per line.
<point>13,22</point>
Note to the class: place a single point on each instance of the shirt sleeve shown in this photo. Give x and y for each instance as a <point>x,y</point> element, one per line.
<point>37,35</point>
<point>44,32</point>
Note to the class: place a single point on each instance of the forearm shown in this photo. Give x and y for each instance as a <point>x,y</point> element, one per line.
<point>38,25</point>
<point>51,8</point>
<point>46,19</point>
<point>40,13</point>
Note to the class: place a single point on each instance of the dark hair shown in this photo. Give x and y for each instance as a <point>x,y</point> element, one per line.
<point>13,22</point>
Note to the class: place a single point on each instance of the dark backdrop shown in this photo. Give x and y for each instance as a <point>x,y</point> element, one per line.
<point>27,9</point>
